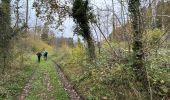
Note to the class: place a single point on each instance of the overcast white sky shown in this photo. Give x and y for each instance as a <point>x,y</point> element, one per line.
<point>68,24</point>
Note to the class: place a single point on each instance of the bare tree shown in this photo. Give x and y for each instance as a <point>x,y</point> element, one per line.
<point>113,12</point>
<point>162,18</point>
<point>153,6</point>
<point>26,20</point>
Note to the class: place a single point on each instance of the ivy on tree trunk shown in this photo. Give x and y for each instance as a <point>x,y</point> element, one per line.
<point>81,16</point>
<point>5,31</point>
<point>138,53</point>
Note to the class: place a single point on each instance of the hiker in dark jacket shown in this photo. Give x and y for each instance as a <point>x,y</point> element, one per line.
<point>45,53</point>
<point>39,56</point>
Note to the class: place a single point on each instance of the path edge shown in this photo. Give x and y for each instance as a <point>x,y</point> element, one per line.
<point>82,97</point>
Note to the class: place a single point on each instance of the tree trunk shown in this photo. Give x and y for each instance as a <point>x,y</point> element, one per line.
<point>113,30</point>
<point>138,53</point>
<point>87,36</point>
<point>5,33</point>
<point>17,13</point>
<point>91,48</point>
<point>153,6</point>
<point>80,14</point>
<point>27,16</point>
<point>162,17</point>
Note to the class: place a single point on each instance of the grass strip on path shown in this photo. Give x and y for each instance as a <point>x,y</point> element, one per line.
<point>26,89</point>
<point>39,91</point>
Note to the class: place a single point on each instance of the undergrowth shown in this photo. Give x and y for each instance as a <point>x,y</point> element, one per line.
<point>112,77</point>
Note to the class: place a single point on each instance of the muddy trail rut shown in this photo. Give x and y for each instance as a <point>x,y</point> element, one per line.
<point>73,94</point>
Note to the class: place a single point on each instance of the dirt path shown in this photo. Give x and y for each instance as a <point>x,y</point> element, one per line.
<point>47,92</point>
<point>67,85</point>
<point>26,89</point>
<point>48,86</point>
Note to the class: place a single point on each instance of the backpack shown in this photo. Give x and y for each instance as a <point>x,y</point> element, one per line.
<point>45,53</point>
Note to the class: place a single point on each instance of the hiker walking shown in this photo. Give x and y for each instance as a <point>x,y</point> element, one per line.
<point>39,56</point>
<point>45,53</point>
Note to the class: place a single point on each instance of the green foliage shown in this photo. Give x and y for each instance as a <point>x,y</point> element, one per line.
<point>112,77</point>
<point>97,81</point>
<point>15,79</point>
<point>154,35</point>
<point>158,70</point>
<point>152,39</point>
<point>13,83</point>
<point>81,14</point>
<point>19,65</point>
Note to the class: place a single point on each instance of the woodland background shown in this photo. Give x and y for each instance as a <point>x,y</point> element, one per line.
<point>130,63</point>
